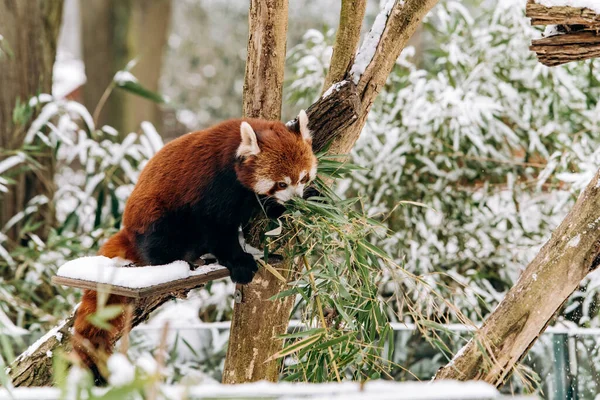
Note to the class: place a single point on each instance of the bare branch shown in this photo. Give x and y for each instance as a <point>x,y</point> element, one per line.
<point>390,33</point>
<point>346,40</point>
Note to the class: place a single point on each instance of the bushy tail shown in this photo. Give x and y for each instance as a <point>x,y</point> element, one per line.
<point>91,343</point>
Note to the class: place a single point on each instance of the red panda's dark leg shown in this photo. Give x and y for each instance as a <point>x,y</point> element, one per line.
<point>226,247</point>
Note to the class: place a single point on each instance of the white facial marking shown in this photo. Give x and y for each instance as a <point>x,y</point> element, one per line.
<point>249,145</point>
<point>263,186</point>
<point>313,172</point>
<point>303,122</point>
<point>287,180</point>
<point>291,191</point>
<point>302,175</point>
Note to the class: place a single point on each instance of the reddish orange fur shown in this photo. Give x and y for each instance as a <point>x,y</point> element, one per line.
<point>197,158</point>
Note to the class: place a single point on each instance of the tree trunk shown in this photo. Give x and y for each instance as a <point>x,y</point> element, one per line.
<point>508,333</point>
<point>253,340</point>
<point>30,30</point>
<point>115,32</point>
<point>256,320</point>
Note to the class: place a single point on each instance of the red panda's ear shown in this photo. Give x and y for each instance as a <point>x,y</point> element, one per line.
<point>303,124</point>
<point>249,145</point>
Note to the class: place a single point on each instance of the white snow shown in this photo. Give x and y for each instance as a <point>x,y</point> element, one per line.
<point>369,45</point>
<point>53,332</point>
<point>11,161</point>
<point>8,328</point>
<point>376,390</point>
<point>574,242</point>
<point>122,77</point>
<point>152,135</point>
<point>68,75</point>
<point>593,5</point>
<point>551,30</point>
<point>121,370</point>
<point>112,271</point>
<point>334,88</point>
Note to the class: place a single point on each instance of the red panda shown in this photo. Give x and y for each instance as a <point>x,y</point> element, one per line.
<point>191,199</point>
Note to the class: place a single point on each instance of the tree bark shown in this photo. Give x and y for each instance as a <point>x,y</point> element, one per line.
<point>567,47</point>
<point>34,366</point>
<point>337,117</point>
<point>30,30</point>
<point>556,15</point>
<point>347,39</point>
<point>578,38</point>
<point>508,333</point>
<point>114,33</point>
<point>256,320</point>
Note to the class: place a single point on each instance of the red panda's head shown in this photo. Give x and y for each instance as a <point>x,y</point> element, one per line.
<point>275,160</point>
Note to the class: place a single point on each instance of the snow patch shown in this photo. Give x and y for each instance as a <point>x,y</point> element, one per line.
<point>369,45</point>
<point>11,161</point>
<point>7,327</point>
<point>123,77</point>
<point>67,76</point>
<point>574,242</point>
<point>113,272</point>
<point>334,88</point>
<point>593,5</point>
<point>121,370</point>
<point>54,332</point>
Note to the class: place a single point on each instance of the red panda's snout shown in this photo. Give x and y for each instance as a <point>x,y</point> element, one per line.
<point>277,162</point>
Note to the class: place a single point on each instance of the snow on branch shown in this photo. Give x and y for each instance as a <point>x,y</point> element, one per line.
<point>369,45</point>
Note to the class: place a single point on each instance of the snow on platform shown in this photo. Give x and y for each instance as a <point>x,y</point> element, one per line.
<point>375,390</point>
<point>134,281</point>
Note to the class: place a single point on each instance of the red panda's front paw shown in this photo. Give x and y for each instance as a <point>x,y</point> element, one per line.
<point>242,270</point>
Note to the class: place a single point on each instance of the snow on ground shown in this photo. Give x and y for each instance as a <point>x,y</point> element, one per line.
<point>593,5</point>
<point>113,272</point>
<point>375,390</point>
<point>121,370</point>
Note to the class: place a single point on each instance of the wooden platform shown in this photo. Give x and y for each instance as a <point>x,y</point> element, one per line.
<point>198,279</point>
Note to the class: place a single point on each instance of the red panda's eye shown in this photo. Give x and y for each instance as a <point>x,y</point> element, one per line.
<point>282,185</point>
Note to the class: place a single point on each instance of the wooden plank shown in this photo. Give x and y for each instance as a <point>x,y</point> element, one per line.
<point>198,279</point>
<point>561,15</point>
